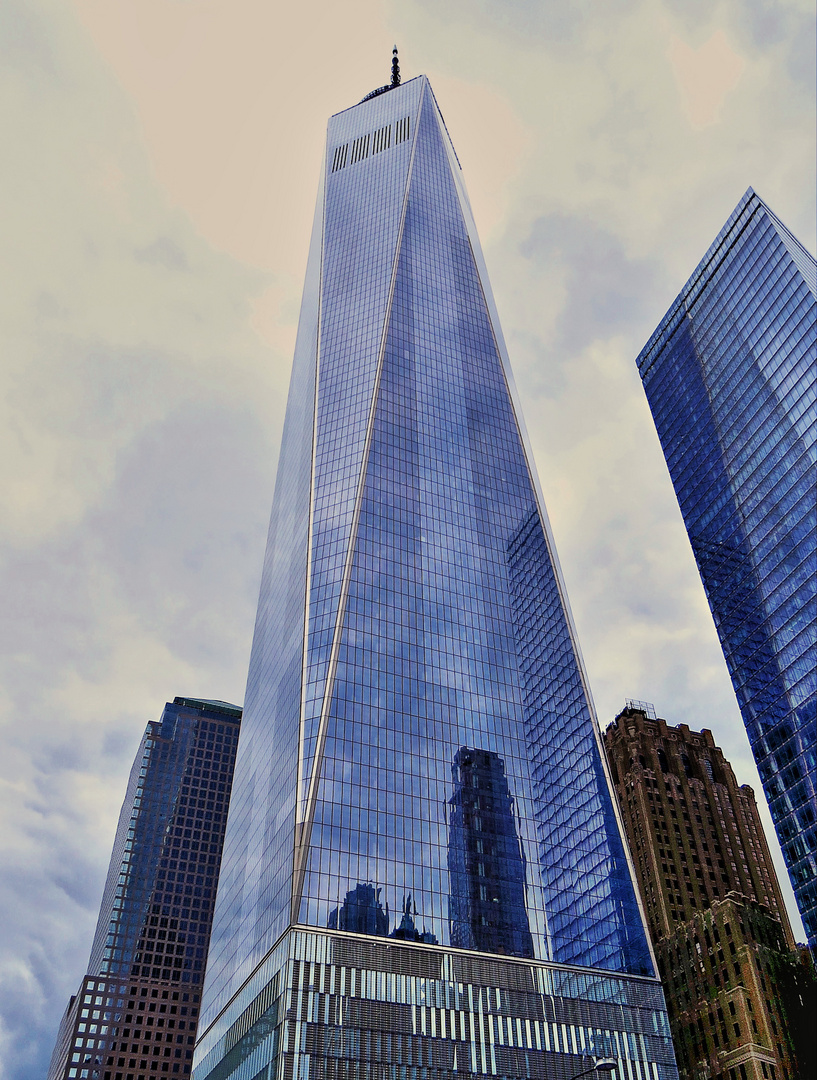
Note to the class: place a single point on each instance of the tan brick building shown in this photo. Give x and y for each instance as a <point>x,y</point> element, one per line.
<point>738,996</point>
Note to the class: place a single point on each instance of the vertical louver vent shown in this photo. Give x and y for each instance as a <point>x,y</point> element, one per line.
<point>339,157</point>
<point>381,140</point>
<point>376,142</point>
<point>360,149</point>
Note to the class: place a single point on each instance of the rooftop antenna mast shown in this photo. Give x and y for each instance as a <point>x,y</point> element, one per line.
<point>395,78</point>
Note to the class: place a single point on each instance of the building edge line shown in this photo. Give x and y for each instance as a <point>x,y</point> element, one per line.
<point>320,205</point>
<point>303,832</point>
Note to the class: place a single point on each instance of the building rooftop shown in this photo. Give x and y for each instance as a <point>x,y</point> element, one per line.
<point>211,704</point>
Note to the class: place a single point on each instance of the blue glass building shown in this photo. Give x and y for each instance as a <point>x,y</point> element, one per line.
<point>730,375</point>
<point>424,870</point>
<point>136,1012</point>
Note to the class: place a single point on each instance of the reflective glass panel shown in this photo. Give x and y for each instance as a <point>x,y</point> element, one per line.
<point>731,374</point>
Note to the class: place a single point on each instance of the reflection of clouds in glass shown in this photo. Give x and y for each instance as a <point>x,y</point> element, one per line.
<point>726,373</point>
<point>431,664</point>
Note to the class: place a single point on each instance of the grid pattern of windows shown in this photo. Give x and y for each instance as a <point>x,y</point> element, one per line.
<point>735,993</point>
<point>135,1031</point>
<point>453,634</point>
<point>419,760</point>
<point>730,375</point>
<point>713,903</point>
<point>256,884</point>
<point>695,835</point>
<point>136,1015</point>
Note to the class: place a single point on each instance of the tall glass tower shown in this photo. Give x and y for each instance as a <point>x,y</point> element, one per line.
<point>424,869</point>
<point>731,376</point>
<point>135,1014</point>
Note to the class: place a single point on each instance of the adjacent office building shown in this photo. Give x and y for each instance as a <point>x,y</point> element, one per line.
<point>424,872</point>
<point>135,1015</point>
<point>739,999</point>
<point>731,377</point>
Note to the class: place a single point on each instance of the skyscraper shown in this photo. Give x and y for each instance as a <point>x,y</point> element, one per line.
<point>740,1002</point>
<point>136,1012</point>
<point>694,832</point>
<point>730,376</point>
<point>418,737</point>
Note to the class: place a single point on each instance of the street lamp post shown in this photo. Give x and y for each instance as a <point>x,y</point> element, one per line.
<point>601,1067</point>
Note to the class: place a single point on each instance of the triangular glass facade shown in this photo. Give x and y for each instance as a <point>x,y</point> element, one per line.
<point>419,758</point>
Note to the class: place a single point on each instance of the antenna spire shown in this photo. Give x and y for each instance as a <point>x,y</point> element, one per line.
<point>395,78</point>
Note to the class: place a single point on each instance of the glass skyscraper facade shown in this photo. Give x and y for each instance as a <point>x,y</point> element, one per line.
<point>730,375</point>
<point>136,1013</point>
<point>424,872</point>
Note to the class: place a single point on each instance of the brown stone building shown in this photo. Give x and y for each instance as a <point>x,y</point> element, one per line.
<point>738,996</point>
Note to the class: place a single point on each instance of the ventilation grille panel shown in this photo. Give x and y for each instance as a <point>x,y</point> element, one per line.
<point>376,142</point>
<point>360,149</point>
<point>399,961</point>
<point>381,140</point>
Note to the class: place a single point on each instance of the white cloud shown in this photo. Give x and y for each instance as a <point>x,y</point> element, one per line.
<point>137,447</point>
<point>705,76</point>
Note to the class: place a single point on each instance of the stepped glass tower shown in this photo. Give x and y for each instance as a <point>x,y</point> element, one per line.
<point>424,873</point>
<point>731,379</point>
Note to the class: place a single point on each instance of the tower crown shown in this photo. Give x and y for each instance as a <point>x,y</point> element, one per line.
<point>395,78</point>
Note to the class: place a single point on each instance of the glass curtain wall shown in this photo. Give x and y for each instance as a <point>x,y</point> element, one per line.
<point>730,376</point>
<point>419,756</point>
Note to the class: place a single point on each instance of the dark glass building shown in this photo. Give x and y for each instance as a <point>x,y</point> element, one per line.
<point>423,869</point>
<point>741,1001</point>
<point>730,375</point>
<point>486,862</point>
<point>136,1013</point>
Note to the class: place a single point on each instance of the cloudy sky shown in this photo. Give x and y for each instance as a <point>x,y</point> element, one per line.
<point>159,170</point>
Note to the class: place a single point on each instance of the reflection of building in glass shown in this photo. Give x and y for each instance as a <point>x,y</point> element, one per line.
<point>361,913</point>
<point>730,377</point>
<point>486,862</point>
<point>738,997</point>
<point>147,961</point>
<point>407,929</point>
<point>410,605</point>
